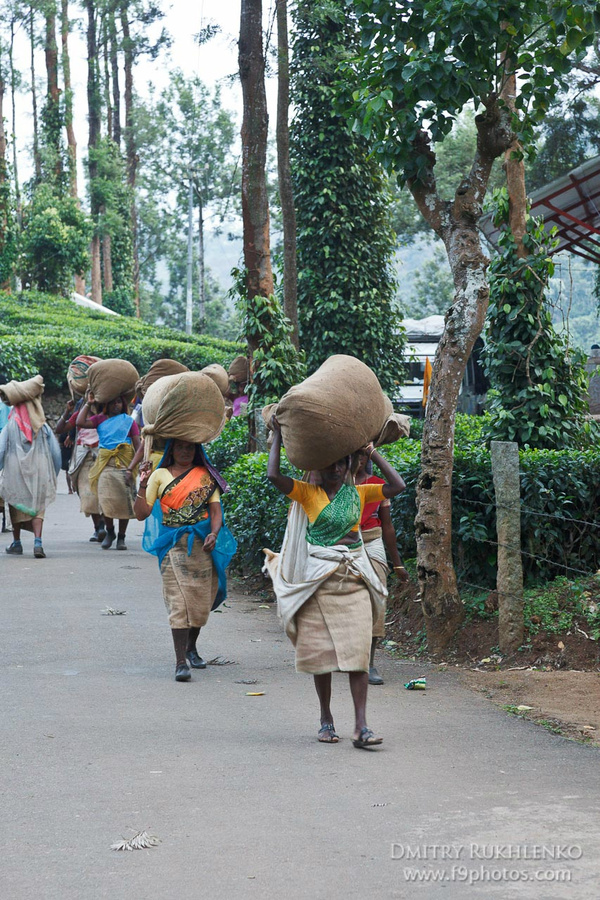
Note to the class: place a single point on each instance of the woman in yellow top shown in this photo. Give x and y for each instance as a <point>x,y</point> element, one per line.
<point>188,535</point>
<point>326,586</point>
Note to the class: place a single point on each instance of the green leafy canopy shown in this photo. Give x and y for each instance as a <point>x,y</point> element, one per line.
<point>422,62</point>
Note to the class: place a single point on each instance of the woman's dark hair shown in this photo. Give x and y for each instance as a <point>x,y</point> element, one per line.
<point>199,459</point>
<point>121,397</point>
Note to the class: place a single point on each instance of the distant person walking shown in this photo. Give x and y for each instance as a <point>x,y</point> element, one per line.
<point>379,538</point>
<point>85,453</point>
<point>327,589</point>
<point>29,462</point>
<point>190,539</point>
<point>112,475</point>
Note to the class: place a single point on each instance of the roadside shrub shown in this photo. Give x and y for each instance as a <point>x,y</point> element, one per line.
<point>560,492</point>
<point>231,444</point>
<point>255,511</point>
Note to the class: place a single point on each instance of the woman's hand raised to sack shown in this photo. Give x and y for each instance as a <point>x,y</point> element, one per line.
<point>145,473</point>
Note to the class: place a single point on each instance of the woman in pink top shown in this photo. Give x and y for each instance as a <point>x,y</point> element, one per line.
<point>84,456</point>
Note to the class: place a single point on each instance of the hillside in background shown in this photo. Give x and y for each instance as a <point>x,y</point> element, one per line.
<point>43,333</point>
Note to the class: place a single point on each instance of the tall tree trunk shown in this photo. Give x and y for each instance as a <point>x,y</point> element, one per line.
<point>4,188</point>
<point>286,193</point>
<point>456,224</point>
<point>13,90</point>
<point>255,205</point>
<point>37,160</point>
<point>51,115</point>
<point>514,167</point>
<point>130,146</point>
<point>66,66</point>
<point>68,107</point>
<point>201,267</point>
<point>107,73</point>
<point>107,263</point>
<point>114,63</point>
<point>94,110</point>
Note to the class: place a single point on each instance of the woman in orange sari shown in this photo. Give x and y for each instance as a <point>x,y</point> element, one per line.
<point>188,535</point>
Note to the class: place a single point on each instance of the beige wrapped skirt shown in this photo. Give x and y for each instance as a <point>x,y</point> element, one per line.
<point>17,517</point>
<point>115,496</point>
<point>89,504</point>
<point>383,571</point>
<point>190,584</point>
<point>334,626</point>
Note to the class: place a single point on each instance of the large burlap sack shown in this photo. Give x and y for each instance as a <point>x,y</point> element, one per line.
<point>78,374</point>
<point>188,406</point>
<point>112,378</point>
<point>22,391</point>
<point>219,376</point>
<point>239,370</point>
<point>159,369</point>
<point>333,413</point>
<point>396,427</point>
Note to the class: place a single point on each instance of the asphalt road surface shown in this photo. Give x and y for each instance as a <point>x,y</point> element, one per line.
<point>99,742</point>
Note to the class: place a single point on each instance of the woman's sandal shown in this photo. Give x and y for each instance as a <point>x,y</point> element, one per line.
<point>327,734</point>
<point>366,739</point>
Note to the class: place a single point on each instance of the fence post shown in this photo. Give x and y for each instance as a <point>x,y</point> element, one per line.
<point>509,583</point>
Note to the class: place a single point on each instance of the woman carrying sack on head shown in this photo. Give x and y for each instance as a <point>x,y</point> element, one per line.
<point>188,535</point>
<point>327,590</point>
<point>85,453</point>
<point>29,462</point>
<point>377,531</point>
<point>111,476</point>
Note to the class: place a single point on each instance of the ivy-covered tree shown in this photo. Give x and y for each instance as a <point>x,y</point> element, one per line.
<point>54,244</point>
<point>345,241</point>
<point>538,380</point>
<point>420,65</point>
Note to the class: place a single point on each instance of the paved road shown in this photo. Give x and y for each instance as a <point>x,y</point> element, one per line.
<point>98,742</point>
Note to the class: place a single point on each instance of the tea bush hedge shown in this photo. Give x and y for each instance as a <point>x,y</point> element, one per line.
<point>560,496</point>
<point>43,333</point>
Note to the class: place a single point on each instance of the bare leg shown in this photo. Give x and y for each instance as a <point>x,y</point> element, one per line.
<point>374,676</point>
<point>121,545</point>
<point>180,639</point>
<point>110,533</point>
<point>327,733</point>
<point>37,524</point>
<point>194,659</point>
<point>359,685</point>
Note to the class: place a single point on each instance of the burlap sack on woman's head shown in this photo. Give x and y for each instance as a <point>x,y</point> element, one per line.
<point>188,406</point>
<point>333,413</point>
<point>239,370</point>
<point>78,374</point>
<point>396,427</point>
<point>159,369</point>
<point>112,378</point>
<point>16,392</point>
<point>219,376</point>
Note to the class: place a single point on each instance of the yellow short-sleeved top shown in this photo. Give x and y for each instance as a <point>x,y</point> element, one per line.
<point>313,499</point>
<point>160,480</point>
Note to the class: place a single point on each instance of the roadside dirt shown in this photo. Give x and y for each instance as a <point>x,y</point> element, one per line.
<point>556,675</point>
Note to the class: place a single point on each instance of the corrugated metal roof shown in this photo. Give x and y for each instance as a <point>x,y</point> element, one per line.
<point>570,203</point>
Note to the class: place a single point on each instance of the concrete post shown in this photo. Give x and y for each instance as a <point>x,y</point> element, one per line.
<point>260,432</point>
<point>505,472</point>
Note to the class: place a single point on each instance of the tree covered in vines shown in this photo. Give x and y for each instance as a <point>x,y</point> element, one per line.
<point>538,380</point>
<point>345,240</point>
